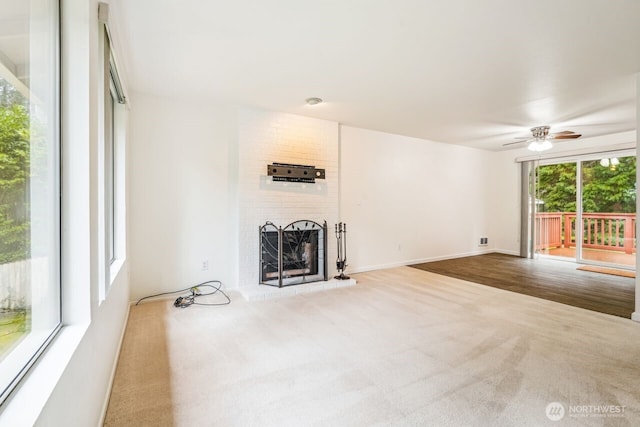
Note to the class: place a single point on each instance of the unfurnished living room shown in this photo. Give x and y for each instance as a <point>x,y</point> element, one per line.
<point>334,213</point>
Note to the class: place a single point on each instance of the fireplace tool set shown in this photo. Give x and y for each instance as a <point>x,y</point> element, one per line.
<point>341,261</point>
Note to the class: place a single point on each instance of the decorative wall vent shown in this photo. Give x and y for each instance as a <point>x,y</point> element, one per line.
<point>294,173</point>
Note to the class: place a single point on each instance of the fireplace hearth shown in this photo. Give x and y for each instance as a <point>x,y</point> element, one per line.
<point>294,254</point>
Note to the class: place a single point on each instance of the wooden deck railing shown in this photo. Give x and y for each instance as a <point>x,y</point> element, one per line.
<point>549,230</point>
<point>608,231</point>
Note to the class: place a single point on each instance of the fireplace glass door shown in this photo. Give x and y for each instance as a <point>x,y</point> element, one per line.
<point>294,254</point>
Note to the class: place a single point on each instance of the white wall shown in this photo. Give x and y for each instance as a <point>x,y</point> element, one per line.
<point>266,137</point>
<point>409,200</point>
<point>505,206</point>
<point>182,207</point>
<point>200,191</point>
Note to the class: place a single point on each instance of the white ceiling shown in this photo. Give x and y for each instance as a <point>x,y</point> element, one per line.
<point>470,72</point>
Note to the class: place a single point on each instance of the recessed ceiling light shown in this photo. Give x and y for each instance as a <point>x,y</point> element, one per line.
<point>313,101</point>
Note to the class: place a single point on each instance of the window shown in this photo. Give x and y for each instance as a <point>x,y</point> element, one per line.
<point>109,173</point>
<point>29,185</point>
<point>112,170</point>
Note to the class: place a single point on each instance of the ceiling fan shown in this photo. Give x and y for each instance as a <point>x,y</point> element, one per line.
<point>541,138</point>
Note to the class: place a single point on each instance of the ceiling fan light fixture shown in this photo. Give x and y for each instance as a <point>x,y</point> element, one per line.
<point>540,139</point>
<point>611,163</point>
<point>540,145</point>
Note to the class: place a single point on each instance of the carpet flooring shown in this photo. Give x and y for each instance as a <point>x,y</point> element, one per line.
<point>554,280</point>
<point>403,347</point>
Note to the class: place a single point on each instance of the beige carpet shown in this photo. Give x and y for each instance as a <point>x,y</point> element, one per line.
<point>403,347</point>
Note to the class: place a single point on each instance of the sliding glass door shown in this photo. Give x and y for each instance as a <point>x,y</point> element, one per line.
<point>555,201</point>
<point>608,210</point>
<point>585,210</point>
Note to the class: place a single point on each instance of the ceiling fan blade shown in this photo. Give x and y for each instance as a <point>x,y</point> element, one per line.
<point>516,142</point>
<point>573,136</point>
<point>542,132</point>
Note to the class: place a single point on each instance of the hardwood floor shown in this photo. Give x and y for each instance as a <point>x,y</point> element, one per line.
<point>553,280</point>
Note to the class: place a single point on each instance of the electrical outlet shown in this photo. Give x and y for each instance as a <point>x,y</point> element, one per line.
<point>205,265</point>
<point>484,241</point>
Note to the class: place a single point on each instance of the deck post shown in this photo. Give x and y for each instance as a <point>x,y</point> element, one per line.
<point>567,230</point>
<point>628,235</point>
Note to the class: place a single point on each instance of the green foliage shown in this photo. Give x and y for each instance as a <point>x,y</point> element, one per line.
<point>605,189</point>
<point>14,179</point>
<point>13,326</point>
<point>609,189</point>
<point>557,187</point>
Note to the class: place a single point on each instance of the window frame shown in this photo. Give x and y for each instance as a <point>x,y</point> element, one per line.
<point>27,353</point>
<point>111,163</point>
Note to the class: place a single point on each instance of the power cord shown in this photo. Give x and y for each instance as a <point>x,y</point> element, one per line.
<point>186,301</point>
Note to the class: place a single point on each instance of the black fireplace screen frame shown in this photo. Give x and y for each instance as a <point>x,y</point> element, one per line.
<point>294,254</point>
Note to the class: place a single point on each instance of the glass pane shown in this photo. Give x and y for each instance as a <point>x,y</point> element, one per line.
<point>29,188</point>
<point>109,172</point>
<point>608,210</point>
<point>556,210</point>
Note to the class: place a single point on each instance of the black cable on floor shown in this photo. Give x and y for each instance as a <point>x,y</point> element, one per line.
<point>186,301</point>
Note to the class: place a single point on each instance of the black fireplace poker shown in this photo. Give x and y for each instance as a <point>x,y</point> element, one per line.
<point>341,261</point>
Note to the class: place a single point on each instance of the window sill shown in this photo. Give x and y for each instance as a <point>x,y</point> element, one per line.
<point>37,386</point>
<point>114,270</point>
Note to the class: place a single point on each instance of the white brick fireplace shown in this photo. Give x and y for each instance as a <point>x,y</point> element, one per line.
<point>266,137</point>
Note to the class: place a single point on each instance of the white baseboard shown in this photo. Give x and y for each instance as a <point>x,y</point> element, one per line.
<point>107,396</point>
<point>431,259</point>
<point>506,252</point>
<point>635,316</point>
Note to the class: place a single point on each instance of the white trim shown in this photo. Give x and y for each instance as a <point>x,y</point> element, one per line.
<point>421,261</point>
<point>506,252</point>
<point>579,224</point>
<point>114,270</point>
<point>573,154</point>
<point>636,315</point>
<point>114,366</point>
<point>587,157</point>
<point>111,168</point>
<point>103,18</point>
<point>37,386</point>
